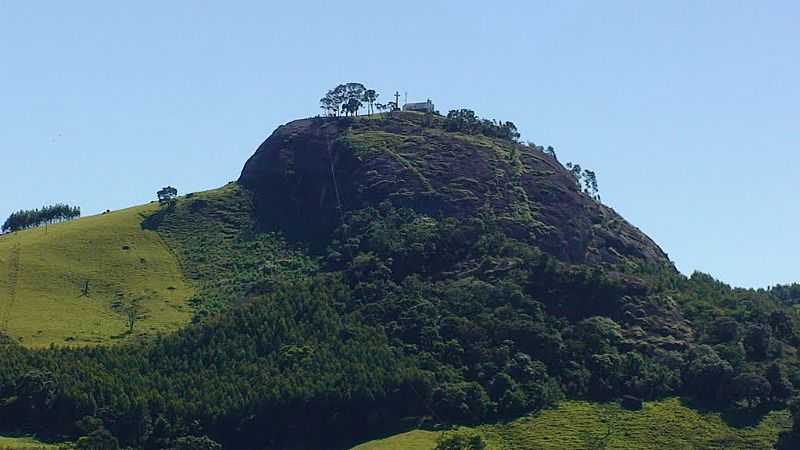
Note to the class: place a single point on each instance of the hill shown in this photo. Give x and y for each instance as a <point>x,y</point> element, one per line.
<point>373,275</point>
<point>412,160</point>
<point>44,272</point>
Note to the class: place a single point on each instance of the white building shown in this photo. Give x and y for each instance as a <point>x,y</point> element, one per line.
<point>419,107</point>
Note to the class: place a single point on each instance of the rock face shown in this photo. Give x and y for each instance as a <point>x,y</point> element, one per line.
<point>307,169</point>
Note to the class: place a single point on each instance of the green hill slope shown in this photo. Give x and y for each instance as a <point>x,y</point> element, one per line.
<point>576,425</point>
<point>43,273</point>
<point>24,443</point>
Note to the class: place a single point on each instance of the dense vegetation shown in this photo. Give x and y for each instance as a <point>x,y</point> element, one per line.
<point>380,333</point>
<point>215,236</point>
<point>400,317</point>
<point>28,218</point>
<point>789,294</point>
<point>466,121</point>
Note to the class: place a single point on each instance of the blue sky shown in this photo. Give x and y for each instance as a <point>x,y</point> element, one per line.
<point>688,111</point>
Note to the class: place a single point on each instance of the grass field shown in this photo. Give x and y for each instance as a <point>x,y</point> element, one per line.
<point>667,424</point>
<point>44,271</point>
<point>24,443</point>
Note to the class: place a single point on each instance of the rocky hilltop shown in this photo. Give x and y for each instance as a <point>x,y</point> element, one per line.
<point>308,167</point>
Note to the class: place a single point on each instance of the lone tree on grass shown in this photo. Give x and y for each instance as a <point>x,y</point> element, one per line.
<point>133,311</point>
<point>167,195</point>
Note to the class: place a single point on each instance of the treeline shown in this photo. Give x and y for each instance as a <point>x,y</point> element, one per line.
<point>30,218</point>
<point>787,293</point>
<point>466,121</point>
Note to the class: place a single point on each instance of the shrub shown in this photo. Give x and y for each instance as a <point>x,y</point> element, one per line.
<point>461,402</point>
<point>460,440</point>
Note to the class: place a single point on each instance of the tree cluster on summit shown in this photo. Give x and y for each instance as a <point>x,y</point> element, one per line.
<point>349,98</point>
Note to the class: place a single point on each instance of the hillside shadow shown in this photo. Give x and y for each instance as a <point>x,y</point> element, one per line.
<point>787,441</point>
<point>153,221</point>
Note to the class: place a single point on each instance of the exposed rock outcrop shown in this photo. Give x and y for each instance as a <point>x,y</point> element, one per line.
<point>308,167</point>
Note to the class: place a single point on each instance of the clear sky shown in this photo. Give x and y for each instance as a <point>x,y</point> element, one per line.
<point>689,111</point>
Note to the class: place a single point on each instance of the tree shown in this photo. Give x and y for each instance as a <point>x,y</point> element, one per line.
<point>585,179</point>
<point>597,335</point>
<point>508,131</point>
<point>347,98</point>
<point>576,171</point>
<point>706,371</point>
<point>780,387</point>
<point>100,439</point>
<point>370,96</point>
<point>724,329</point>
<point>734,354</point>
<point>782,325</point>
<point>462,402</point>
<point>328,103</point>
<point>460,440</point>
<point>756,341</point>
<point>332,101</point>
<point>590,184</point>
<point>462,120</point>
<point>133,311</point>
<point>167,195</point>
<point>85,288</point>
<point>751,387</point>
<point>354,90</point>
<point>352,106</point>
<point>36,393</point>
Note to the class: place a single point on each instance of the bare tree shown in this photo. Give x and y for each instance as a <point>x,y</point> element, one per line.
<point>133,312</point>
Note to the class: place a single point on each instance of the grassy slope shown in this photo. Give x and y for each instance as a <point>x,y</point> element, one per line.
<point>663,424</point>
<point>23,443</point>
<point>40,296</point>
<point>212,233</point>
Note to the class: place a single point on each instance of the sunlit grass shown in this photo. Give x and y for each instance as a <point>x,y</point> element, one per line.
<point>667,424</point>
<point>24,443</point>
<point>44,274</point>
